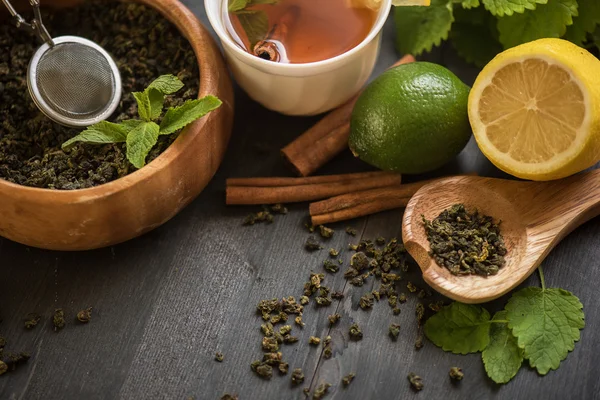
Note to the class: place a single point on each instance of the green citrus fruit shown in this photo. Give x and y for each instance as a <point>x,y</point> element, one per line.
<point>411,119</point>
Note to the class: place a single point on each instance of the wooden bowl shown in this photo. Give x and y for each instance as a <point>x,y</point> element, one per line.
<point>137,203</point>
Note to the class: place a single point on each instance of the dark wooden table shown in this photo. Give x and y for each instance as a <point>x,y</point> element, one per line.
<point>166,302</point>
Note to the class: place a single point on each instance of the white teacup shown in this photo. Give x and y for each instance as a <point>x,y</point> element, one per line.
<point>300,89</point>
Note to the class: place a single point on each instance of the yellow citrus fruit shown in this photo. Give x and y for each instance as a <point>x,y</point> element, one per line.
<point>535,110</point>
<point>411,2</point>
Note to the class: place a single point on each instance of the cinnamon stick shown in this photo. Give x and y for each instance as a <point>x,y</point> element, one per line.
<point>359,204</point>
<point>290,190</point>
<point>367,202</point>
<point>326,139</point>
<point>267,49</point>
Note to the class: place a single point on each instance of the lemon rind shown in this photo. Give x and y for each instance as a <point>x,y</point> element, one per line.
<point>507,163</point>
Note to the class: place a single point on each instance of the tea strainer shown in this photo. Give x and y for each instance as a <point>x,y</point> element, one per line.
<point>72,80</point>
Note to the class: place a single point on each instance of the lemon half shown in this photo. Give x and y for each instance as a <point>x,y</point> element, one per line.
<point>535,110</point>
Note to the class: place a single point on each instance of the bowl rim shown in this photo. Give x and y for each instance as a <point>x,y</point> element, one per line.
<point>311,68</point>
<point>190,27</point>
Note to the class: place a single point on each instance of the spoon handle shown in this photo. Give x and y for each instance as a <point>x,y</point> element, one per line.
<point>562,206</point>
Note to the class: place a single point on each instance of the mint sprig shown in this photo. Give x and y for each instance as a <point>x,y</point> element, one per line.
<point>141,135</point>
<point>508,23</point>
<point>540,325</point>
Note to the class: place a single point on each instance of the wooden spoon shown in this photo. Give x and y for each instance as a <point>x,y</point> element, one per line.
<point>535,217</point>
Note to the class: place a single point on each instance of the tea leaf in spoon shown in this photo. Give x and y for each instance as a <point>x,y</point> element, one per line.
<point>546,323</point>
<point>502,357</point>
<point>459,328</point>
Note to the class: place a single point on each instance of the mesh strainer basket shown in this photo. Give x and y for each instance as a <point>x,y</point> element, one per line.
<point>71,79</point>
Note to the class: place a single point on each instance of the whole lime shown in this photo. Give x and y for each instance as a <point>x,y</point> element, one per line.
<point>411,119</point>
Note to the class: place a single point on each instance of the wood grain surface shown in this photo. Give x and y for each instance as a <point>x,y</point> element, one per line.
<point>164,303</point>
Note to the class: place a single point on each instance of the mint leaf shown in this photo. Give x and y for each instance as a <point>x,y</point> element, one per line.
<point>546,323</point>
<point>144,107</point>
<point>418,29</point>
<point>100,133</point>
<point>130,124</point>
<point>178,117</point>
<point>502,358</point>
<point>586,22</point>
<point>156,91</point>
<point>501,8</point>
<point>166,84</point>
<point>459,328</point>
<point>255,24</point>
<point>140,141</point>
<point>549,20</point>
<point>156,101</point>
<point>264,1</point>
<point>237,5</point>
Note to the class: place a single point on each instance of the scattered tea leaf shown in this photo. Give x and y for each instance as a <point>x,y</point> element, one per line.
<point>394,331</point>
<point>32,320</point>
<point>456,374</point>
<point>347,380</point>
<point>312,244</point>
<point>58,320</point>
<point>355,332</point>
<point>321,391</point>
<point>297,376</point>
<point>415,381</point>
<point>84,316</point>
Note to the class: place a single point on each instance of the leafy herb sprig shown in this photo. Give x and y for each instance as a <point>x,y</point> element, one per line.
<point>538,324</point>
<point>140,135</point>
<point>480,29</point>
<point>254,22</point>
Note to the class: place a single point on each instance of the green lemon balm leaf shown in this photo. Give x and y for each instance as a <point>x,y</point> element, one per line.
<point>546,323</point>
<point>178,117</point>
<point>502,357</point>
<point>166,84</point>
<point>474,43</point>
<point>468,4</point>
<point>459,328</point>
<point>548,20</point>
<point>586,22</point>
<point>501,8</point>
<point>143,103</point>
<point>418,29</point>
<point>237,5</point>
<point>100,133</point>
<point>140,141</point>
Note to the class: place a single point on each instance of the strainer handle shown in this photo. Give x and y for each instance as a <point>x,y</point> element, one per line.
<point>36,26</point>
